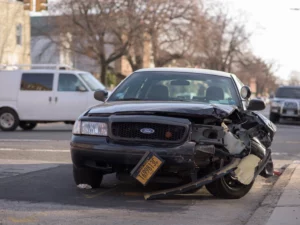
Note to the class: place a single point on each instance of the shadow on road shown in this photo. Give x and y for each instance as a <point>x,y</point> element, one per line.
<point>55,185</point>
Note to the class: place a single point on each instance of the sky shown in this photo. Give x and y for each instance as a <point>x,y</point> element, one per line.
<point>276,30</point>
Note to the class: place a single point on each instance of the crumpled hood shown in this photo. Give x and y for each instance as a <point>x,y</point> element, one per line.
<point>175,108</point>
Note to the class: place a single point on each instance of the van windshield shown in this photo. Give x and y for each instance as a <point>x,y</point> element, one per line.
<point>288,93</point>
<point>91,81</point>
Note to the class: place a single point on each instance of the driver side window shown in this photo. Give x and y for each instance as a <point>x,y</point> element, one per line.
<point>69,82</point>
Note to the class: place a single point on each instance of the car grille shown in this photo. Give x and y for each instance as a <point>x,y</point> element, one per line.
<point>162,132</point>
<point>290,105</point>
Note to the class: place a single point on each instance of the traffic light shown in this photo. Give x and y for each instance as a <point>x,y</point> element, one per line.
<point>28,5</point>
<point>41,5</point>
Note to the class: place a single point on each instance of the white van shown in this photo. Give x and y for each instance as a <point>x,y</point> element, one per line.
<point>28,97</point>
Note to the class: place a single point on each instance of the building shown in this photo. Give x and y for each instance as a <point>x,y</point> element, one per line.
<point>45,50</point>
<point>15,33</point>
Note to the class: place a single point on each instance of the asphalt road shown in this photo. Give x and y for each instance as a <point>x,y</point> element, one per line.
<point>36,187</point>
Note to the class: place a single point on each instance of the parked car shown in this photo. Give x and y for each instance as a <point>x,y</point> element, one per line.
<point>285,104</point>
<point>145,131</point>
<point>29,97</point>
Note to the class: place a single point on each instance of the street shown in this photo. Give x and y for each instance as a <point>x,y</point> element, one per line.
<point>36,187</point>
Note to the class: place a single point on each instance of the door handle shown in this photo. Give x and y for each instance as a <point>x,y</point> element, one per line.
<point>55,99</point>
<point>50,99</point>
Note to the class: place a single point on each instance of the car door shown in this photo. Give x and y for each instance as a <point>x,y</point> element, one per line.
<point>71,97</point>
<point>35,96</point>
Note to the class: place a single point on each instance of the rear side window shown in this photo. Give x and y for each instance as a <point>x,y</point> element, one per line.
<point>37,82</point>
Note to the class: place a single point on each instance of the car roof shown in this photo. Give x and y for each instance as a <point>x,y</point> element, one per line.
<point>290,86</point>
<point>185,70</point>
<point>43,71</point>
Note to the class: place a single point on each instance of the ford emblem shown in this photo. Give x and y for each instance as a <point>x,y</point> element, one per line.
<point>147,130</point>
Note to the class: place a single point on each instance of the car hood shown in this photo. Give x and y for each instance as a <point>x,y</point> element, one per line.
<point>167,108</point>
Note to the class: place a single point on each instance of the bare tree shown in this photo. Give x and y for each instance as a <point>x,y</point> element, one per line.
<point>263,72</point>
<point>94,28</point>
<point>294,78</point>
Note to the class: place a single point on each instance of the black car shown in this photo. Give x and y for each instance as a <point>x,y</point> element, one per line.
<point>151,130</point>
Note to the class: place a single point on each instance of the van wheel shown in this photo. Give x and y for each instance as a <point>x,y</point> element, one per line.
<point>87,176</point>
<point>27,125</point>
<point>9,119</point>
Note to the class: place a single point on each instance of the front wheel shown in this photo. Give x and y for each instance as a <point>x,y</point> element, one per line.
<point>27,125</point>
<point>87,176</point>
<point>228,188</point>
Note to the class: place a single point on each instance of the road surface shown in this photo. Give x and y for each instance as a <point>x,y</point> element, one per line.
<point>36,187</point>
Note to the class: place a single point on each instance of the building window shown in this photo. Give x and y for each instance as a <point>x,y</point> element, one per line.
<point>19,34</point>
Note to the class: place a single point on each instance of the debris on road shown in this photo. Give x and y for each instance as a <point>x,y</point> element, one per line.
<point>84,186</point>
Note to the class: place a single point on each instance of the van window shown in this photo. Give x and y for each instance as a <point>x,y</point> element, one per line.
<point>37,82</point>
<point>69,82</point>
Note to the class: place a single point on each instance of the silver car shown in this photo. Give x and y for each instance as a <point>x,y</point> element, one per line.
<point>286,104</point>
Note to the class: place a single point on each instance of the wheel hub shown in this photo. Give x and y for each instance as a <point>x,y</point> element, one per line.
<point>7,120</point>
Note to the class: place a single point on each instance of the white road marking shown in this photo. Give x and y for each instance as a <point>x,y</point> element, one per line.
<point>25,140</point>
<point>34,150</point>
<point>279,153</point>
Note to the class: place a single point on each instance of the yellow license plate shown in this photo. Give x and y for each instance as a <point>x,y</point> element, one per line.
<point>147,167</point>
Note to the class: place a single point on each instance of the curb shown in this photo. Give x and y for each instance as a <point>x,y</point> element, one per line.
<point>262,214</point>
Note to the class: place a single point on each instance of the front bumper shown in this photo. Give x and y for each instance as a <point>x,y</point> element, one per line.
<point>101,152</point>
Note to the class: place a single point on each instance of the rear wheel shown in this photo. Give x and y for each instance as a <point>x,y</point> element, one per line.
<point>274,117</point>
<point>87,176</point>
<point>27,125</point>
<point>228,188</point>
<point>9,119</point>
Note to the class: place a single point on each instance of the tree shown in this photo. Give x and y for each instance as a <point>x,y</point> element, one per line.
<point>94,28</point>
<point>251,66</point>
<point>294,78</point>
<point>220,39</point>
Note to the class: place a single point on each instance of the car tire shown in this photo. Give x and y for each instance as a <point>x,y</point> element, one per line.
<point>9,119</point>
<point>87,176</point>
<point>27,125</point>
<point>221,188</point>
<point>274,118</point>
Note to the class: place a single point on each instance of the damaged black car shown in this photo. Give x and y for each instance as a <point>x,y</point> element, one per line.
<point>189,127</point>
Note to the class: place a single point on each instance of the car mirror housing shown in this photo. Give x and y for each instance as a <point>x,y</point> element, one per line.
<point>245,92</point>
<point>256,105</point>
<point>100,95</point>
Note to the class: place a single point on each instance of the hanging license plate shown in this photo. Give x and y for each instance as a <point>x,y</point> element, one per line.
<point>147,167</point>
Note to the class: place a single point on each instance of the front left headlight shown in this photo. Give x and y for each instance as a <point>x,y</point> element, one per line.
<point>90,128</point>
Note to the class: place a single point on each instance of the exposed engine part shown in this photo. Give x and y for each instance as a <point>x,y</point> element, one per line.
<point>245,172</point>
<point>257,148</point>
<point>210,149</point>
<point>233,144</point>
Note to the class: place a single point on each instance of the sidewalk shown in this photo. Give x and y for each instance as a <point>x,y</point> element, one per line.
<point>287,210</point>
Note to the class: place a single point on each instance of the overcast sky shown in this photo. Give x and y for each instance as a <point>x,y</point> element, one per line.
<point>277,30</point>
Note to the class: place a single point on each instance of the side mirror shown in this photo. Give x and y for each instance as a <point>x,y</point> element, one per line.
<point>256,105</point>
<point>100,95</point>
<point>80,88</point>
<point>245,92</point>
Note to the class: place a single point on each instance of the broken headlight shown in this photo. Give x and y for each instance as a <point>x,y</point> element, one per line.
<point>90,128</point>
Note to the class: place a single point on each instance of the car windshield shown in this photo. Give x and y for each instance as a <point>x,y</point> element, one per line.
<point>91,81</point>
<point>177,86</point>
<point>288,93</point>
